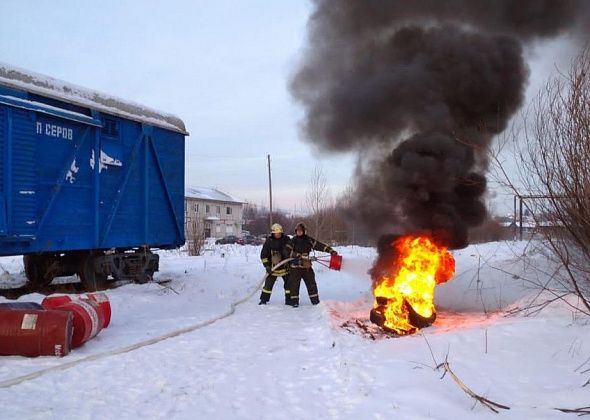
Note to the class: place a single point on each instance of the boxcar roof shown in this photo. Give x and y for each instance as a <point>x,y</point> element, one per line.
<point>39,84</point>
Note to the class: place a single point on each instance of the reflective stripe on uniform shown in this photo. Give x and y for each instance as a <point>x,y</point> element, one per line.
<point>315,295</point>
<point>266,291</point>
<point>280,273</point>
<point>287,292</point>
<point>264,260</point>
<point>294,297</point>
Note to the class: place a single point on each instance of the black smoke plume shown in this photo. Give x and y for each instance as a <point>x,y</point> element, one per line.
<point>419,89</point>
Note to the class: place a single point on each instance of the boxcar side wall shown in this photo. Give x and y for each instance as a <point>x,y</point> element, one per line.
<point>75,179</point>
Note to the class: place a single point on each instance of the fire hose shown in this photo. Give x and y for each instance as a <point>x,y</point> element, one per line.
<point>64,366</point>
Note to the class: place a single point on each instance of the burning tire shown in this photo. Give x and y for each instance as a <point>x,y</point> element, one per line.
<point>404,283</point>
<point>377,316</point>
<point>418,320</point>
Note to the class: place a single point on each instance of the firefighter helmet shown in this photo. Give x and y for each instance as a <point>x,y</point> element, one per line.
<point>276,228</point>
<point>300,226</point>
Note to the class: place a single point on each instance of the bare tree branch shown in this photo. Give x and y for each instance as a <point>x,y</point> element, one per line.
<point>553,151</point>
<point>582,411</point>
<point>317,199</point>
<point>494,406</point>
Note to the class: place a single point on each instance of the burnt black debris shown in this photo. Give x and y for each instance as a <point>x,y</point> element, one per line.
<point>419,89</point>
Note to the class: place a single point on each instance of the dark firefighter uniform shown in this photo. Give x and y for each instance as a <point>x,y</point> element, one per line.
<point>299,248</point>
<point>273,252</point>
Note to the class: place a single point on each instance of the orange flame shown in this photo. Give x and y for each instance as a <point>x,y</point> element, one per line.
<point>419,267</point>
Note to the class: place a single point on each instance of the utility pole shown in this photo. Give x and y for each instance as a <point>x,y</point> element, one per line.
<point>269,190</point>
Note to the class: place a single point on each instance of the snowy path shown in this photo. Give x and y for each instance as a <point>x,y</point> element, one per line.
<point>275,362</point>
<point>246,367</point>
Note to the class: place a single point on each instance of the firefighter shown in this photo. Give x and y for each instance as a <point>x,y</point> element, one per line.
<point>299,248</point>
<point>273,252</point>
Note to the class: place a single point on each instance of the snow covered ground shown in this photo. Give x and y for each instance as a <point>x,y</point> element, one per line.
<point>275,362</point>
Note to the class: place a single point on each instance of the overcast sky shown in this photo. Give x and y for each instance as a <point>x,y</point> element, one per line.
<point>222,66</point>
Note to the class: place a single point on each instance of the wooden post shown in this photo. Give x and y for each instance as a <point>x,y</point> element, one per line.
<point>520,214</point>
<point>269,190</point>
<point>514,219</point>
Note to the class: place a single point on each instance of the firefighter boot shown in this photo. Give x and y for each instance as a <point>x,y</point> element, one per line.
<point>294,283</point>
<point>311,285</point>
<point>267,289</point>
<point>287,291</point>
<point>264,297</point>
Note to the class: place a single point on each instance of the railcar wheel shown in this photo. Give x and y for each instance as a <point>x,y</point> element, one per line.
<point>90,280</point>
<point>36,271</point>
<point>146,276</point>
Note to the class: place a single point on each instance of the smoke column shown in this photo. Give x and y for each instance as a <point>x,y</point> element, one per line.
<point>418,89</point>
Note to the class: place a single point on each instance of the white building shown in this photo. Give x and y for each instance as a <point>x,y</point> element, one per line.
<point>212,212</point>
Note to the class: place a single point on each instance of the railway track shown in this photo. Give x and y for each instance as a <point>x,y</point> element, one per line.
<point>16,292</point>
<point>72,287</point>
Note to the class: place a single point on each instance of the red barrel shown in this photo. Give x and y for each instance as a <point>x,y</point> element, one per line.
<point>55,301</point>
<point>335,262</point>
<point>31,333</point>
<point>88,319</point>
<point>103,301</point>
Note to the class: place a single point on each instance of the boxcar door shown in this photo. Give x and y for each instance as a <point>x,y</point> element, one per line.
<point>3,134</point>
<point>18,148</point>
<point>24,180</point>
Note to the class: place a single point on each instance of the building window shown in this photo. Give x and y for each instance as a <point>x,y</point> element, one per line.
<point>196,208</point>
<point>229,229</point>
<point>228,210</point>
<point>207,208</point>
<point>218,209</point>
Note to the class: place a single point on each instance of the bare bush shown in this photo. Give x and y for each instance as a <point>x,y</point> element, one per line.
<point>195,237</point>
<point>335,222</point>
<point>317,199</point>
<point>554,164</point>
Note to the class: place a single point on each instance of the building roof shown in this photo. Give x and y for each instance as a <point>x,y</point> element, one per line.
<point>16,78</point>
<point>210,194</point>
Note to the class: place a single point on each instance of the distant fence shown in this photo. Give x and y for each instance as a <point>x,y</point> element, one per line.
<point>529,226</point>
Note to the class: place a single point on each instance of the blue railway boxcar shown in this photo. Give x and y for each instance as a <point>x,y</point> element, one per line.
<point>88,183</point>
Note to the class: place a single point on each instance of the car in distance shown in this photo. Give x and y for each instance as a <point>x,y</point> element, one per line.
<point>249,240</point>
<point>231,239</point>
